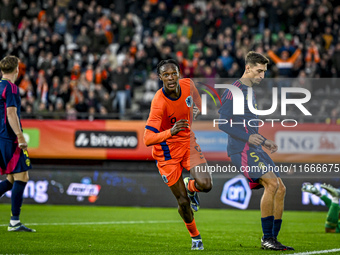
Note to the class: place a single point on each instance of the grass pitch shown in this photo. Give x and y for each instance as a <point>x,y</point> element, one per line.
<point>118,230</point>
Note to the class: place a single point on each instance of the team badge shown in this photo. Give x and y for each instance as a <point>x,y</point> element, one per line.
<point>189,101</point>
<point>262,166</point>
<point>164,178</point>
<point>28,162</point>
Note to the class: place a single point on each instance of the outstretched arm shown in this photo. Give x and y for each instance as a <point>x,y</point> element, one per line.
<point>274,57</point>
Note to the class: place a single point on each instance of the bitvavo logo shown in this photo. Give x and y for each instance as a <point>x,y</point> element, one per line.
<point>238,104</point>
<point>236,192</point>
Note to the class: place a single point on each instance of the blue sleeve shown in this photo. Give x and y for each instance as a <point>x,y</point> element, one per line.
<point>226,112</point>
<point>11,95</point>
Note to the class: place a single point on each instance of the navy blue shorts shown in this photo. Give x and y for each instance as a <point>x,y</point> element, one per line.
<point>12,158</point>
<point>253,164</point>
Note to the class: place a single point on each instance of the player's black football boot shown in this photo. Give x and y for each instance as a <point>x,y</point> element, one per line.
<point>288,248</point>
<point>272,244</point>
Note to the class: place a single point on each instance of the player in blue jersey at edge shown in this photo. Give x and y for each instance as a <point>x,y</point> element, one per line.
<point>246,153</point>
<point>14,160</point>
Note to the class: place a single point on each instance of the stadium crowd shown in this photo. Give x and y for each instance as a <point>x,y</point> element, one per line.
<point>87,59</point>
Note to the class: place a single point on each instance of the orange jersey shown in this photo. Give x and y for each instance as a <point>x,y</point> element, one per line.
<point>164,113</point>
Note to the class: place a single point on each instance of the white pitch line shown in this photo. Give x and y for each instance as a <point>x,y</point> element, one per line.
<point>99,223</point>
<point>316,252</point>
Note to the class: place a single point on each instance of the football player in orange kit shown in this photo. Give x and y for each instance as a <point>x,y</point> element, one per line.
<point>168,129</point>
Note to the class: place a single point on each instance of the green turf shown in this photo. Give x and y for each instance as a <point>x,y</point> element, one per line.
<point>223,231</point>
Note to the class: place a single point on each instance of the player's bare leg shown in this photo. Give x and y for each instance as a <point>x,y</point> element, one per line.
<point>203,180</point>
<point>184,209</point>
<point>180,193</point>
<point>272,204</point>
<point>23,176</point>
<point>279,200</point>
<point>271,184</point>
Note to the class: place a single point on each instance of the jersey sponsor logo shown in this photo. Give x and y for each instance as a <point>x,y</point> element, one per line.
<point>189,101</point>
<point>27,161</point>
<point>236,192</point>
<point>262,166</point>
<point>105,139</point>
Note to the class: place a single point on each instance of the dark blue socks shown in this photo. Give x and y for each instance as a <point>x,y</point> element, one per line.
<point>17,197</point>
<point>5,186</point>
<point>267,226</point>
<point>277,227</point>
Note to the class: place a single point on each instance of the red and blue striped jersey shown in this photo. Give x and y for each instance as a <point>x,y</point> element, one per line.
<point>240,130</point>
<point>9,97</point>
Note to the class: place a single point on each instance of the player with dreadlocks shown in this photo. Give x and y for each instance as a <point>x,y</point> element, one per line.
<point>168,129</point>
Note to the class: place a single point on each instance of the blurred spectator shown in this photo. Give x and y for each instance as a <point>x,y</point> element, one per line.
<point>151,87</point>
<point>121,88</point>
<point>284,63</point>
<point>226,59</point>
<point>83,38</point>
<point>60,24</point>
<point>6,12</point>
<point>336,59</point>
<point>71,113</point>
<point>334,118</point>
<point>59,108</point>
<point>185,29</point>
<point>313,53</point>
<point>99,40</point>
<point>81,106</point>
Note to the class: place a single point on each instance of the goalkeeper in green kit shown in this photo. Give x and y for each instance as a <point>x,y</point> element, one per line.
<point>332,224</point>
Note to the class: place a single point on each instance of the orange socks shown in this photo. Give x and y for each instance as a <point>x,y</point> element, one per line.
<point>192,187</point>
<point>192,228</point>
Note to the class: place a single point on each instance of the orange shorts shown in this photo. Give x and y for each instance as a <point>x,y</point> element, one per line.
<point>171,170</point>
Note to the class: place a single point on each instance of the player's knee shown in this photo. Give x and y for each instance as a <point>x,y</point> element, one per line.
<point>206,185</point>
<point>183,202</point>
<point>281,191</point>
<point>271,185</point>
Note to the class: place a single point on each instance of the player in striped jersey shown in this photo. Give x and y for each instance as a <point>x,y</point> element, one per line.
<point>246,153</point>
<point>14,160</point>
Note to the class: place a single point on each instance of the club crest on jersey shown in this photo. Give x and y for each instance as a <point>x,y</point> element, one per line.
<point>189,101</point>
<point>165,179</point>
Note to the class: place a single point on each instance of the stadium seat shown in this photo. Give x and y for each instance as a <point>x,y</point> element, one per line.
<point>289,37</point>
<point>275,37</point>
<point>191,50</point>
<point>258,38</point>
<point>170,29</point>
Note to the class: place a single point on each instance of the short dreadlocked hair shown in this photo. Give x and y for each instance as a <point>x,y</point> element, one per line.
<point>164,62</point>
